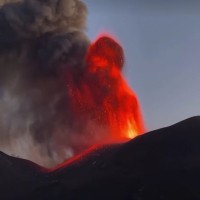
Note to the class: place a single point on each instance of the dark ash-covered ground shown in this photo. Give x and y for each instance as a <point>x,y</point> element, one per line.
<point>162,164</point>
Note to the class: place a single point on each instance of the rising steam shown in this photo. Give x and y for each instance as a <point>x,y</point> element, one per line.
<point>58,93</point>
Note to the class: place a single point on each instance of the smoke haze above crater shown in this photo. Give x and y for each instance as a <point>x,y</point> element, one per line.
<point>36,38</point>
<point>59,93</point>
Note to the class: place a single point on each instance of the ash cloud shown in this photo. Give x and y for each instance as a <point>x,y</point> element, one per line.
<point>39,41</point>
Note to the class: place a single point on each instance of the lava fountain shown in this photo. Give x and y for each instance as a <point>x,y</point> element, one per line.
<point>103,96</point>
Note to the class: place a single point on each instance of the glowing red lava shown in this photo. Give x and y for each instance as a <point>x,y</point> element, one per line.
<point>102,96</point>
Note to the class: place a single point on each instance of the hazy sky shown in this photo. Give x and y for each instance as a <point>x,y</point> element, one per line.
<point>161,39</point>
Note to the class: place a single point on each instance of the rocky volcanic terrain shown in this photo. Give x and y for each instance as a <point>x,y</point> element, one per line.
<point>159,165</point>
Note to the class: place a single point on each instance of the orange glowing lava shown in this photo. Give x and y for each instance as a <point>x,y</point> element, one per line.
<point>131,131</point>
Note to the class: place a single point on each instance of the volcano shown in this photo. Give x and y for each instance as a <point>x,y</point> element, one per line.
<point>60,93</point>
<point>162,164</point>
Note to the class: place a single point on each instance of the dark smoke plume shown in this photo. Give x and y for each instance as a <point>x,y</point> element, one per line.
<point>36,38</point>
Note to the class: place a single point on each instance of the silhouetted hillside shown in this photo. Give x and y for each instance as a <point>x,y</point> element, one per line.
<point>160,165</point>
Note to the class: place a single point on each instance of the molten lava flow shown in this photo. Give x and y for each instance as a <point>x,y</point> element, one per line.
<point>101,99</point>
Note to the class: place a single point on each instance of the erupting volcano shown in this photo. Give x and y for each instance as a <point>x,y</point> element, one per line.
<point>62,97</point>
<point>60,93</point>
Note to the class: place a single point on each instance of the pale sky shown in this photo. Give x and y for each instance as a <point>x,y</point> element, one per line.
<point>161,39</point>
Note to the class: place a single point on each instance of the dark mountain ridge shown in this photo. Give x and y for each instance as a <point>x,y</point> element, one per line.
<point>160,165</point>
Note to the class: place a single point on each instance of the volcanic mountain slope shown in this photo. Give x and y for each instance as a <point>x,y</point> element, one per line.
<point>159,165</point>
